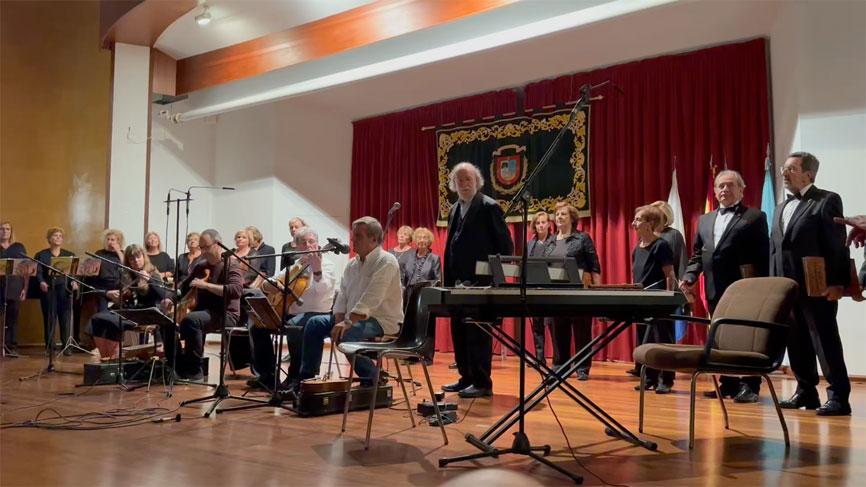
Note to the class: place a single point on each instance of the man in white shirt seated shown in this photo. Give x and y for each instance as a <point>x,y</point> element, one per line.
<point>369,303</point>
<point>317,300</point>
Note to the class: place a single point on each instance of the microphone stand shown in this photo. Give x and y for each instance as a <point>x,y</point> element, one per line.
<point>521,444</point>
<point>52,315</point>
<point>276,399</point>
<point>221,393</point>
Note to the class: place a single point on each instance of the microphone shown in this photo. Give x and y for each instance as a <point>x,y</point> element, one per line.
<point>617,88</point>
<point>167,419</point>
<point>340,247</point>
<point>394,208</point>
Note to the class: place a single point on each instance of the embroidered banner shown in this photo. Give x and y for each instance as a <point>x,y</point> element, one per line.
<point>506,151</point>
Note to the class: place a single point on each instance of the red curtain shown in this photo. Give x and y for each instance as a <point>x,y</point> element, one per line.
<point>709,102</point>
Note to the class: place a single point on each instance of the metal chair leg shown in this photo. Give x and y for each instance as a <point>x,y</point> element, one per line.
<point>692,410</point>
<point>640,410</point>
<point>405,395</point>
<point>374,392</point>
<point>778,409</point>
<point>435,402</point>
<point>411,378</point>
<point>721,401</point>
<point>348,393</point>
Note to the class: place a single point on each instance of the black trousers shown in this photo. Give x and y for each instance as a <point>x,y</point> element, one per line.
<point>538,326</point>
<point>60,314</point>
<point>12,309</point>
<point>814,331</point>
<point>660,332</point>
<point>564,328</point>
<point>105,324</point>
<point>192,331</point>
<point>473,351</point>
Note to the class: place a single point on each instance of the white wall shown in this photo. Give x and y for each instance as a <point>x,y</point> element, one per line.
<point>284,159</point>
<point>819,95</point>
<point>129,132</point>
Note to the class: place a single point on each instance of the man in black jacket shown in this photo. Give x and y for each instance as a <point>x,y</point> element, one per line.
<point>803,226</point>
<point>476,229</point>
<point>729,239</point>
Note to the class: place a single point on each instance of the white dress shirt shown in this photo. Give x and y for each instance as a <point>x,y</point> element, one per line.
<point>721,224</point>
<point>790,208</point>
<point>319,295</point>
<point>372,288</point>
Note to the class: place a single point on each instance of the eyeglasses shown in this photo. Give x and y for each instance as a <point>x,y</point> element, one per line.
<point>787,169</point>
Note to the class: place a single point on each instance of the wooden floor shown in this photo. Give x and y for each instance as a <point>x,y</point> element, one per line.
<point>264,447</point>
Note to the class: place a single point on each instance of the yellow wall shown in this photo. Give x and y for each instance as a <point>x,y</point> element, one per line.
<point>54,128</point>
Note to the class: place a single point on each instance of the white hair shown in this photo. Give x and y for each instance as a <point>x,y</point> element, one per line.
<point>740,181</point>
<point>452,178</point>
<point>303,232</point>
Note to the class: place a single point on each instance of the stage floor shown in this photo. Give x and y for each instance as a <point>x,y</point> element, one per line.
<point>268,447</point>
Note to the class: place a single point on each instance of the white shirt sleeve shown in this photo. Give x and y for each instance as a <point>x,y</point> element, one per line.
<point>377,288</point>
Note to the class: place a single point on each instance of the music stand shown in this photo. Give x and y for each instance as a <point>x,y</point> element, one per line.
<point>145,317</point>
<point>11,270</point>
<point>80,268</point>
<point>261,307</point>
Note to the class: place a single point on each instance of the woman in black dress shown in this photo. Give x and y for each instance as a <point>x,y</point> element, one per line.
<point>55,292</point>
<point>652,266</point>
<point>573,243</point>
<point>243,248</point>
<point>543,235</point>
<point>159,259</point>
<point>142,289</point>
<point>188,259</point>
<point>109,275</point>
<point>15,290</point>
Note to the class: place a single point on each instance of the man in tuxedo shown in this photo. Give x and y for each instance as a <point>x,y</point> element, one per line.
<point>729,238</point>
<point>803,226</point>
<point>476,229</point>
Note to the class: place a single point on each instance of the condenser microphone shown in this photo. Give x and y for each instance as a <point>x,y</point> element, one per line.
<point>340,247</point>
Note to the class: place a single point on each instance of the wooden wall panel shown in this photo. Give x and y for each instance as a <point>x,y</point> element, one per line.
<point>54,128</point>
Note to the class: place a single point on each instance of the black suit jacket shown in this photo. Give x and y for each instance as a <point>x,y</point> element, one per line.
<point>480,233</point>
<point>810,233</point>
<point>267,265</point>
<point>744,241</point>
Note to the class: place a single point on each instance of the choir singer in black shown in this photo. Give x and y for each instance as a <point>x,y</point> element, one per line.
<point>732,242</point>
<point>476,229</point>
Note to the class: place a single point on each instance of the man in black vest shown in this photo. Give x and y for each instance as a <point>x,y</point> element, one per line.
<point>803,226</point>
<point>476,229</point>
<point>728,239</point>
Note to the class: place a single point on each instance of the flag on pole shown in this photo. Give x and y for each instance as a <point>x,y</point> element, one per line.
<point>674,201</point>
<point>768,195</point>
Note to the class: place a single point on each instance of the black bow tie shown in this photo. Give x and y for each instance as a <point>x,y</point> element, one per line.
<point>730,209</point>
<point>795,196</point>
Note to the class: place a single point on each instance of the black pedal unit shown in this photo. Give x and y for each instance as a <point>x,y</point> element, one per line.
<point>426,408</point>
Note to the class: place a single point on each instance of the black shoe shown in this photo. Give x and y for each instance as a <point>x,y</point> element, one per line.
<point>473,392</point>
<point>711,394</point>
<point>646,387</point>
<point>455,387</point>
<point>428,362</point>
<point>383,381</point>
<point>258,384</point>
<point>286,358</point>
<point>634,372</point>
<point>834,408</point>
<point>725,393</point>
<point>288,395</point>
<point>800,400</point>
<point>581,375</point>
<point>289,384</point>
<point>663,389</point>
<point>745,395</point>
<point>192,376</point>
<point>453,366</point>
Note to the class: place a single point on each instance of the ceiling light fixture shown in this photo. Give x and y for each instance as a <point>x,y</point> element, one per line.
<point>204,17</point>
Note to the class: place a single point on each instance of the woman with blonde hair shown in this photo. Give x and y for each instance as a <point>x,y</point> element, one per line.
<point>142,289</point>
<point>159,259</point>
<point>268,265</point>
<point>55,297</point>
<point>295,224</point>
<point>403,248</point>
<point>420,264</point>
<point>109,275</point>
<point>10,249</point>
<point>673,237</point>
<point>244,248</point>
<point>188,259</point>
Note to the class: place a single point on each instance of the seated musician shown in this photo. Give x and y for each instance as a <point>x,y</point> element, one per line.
<point>143,289</point>
<point>318,296</point>
<point>109,275</point>
<point>369,303</point>
<point>210,311</point>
